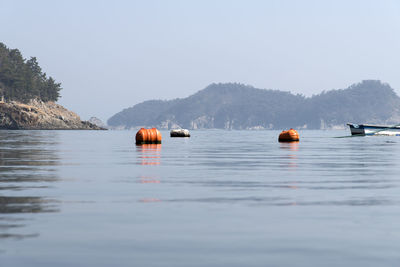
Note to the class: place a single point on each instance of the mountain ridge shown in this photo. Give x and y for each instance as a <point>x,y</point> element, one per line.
<point>239,106</point>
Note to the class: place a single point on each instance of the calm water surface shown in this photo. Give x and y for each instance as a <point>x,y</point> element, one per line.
<point>220,198</point>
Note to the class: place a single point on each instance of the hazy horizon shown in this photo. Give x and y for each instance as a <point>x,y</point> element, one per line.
<point>110,56</point>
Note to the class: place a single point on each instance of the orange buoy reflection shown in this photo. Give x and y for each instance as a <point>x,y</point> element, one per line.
<point>149,154</point>
<point>149,180</point>
<point>292,147</point>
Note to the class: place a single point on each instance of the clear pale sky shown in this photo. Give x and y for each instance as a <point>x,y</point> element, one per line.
<point>110,55</point>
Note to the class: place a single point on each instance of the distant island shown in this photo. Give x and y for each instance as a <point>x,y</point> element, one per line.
<point>28,96</point>
<point>239,106</point>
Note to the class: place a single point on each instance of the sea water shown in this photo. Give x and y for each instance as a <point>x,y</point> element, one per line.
<point>218,198</point>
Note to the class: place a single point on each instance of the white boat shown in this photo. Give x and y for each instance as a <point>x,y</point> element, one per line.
<point>368,129</point>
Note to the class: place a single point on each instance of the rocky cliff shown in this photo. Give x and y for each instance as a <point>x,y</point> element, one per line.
<point>38,115</point>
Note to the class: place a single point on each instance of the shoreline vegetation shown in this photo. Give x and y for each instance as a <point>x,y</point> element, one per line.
<point>28,96</point>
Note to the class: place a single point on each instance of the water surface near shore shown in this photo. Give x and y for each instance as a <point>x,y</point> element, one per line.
<point>219,198</point>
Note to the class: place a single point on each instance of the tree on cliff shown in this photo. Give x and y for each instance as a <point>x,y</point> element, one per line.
<point>22,79</point>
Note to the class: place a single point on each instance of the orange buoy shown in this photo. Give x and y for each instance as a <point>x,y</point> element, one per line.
<point>148,136</point>
<point>289,136</point>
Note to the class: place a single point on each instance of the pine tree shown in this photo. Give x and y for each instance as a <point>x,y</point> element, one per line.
<point>23,80</point>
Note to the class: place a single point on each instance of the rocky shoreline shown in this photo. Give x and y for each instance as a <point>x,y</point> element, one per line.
<point>38,115</point>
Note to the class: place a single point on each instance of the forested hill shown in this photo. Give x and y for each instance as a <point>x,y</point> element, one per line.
<point>23,80</point>
<point>238,106</point>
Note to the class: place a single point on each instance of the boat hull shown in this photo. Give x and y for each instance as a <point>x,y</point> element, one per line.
<point>367,129</point>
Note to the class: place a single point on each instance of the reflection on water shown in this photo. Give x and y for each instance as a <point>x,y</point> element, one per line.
<point>149,180</point>
<point>290,159</point>
<point>27,166</point>
<point>292,146</point>
<point>150,154</point>
<point>149,200</point>
<point>231,195</point>
<point>285,201</point>
<point>315,172</point>
<point>26,205</point>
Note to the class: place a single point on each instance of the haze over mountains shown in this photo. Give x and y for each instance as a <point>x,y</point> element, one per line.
<point>238,106</point>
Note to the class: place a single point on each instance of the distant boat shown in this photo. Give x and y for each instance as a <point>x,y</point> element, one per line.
<point>368,129</point>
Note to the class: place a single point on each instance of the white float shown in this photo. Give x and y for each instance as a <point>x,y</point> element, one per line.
<point>180,133</point>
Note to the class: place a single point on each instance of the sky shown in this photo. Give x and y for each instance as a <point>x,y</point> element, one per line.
<point>111,55</point>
